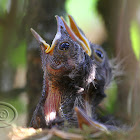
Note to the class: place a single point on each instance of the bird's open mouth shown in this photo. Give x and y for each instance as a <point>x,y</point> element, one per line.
<point>53,100</point>
<point>73,31</point>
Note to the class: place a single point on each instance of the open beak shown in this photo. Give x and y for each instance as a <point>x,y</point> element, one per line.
<point>40,39</point>
<point>74,33</point>
<point>78,33</point>
<point>48,48</point>
<point>83,119</point>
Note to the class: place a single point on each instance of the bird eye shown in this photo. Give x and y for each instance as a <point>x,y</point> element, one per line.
<point>98,55</point>
<point>64,46</point>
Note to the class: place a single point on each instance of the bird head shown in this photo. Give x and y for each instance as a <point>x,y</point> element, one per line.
<point>71,65</point>
<point>67,49</point>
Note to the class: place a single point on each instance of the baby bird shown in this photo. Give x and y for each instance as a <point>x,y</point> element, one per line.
<point>76,73</point>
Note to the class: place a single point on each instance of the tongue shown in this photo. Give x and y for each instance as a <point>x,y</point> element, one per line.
<point>52,104</point>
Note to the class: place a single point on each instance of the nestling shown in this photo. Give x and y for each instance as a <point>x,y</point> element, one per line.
<point>76,73</point>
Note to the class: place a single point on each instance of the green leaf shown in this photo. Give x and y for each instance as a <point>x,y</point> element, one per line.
<point>135,38</point>
<point>4,5</point>
<point>83,11</point>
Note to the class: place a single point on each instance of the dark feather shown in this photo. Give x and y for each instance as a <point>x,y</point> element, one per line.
<point>80,79</point>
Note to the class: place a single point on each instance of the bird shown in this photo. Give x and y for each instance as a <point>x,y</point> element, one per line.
<point>76,74</point>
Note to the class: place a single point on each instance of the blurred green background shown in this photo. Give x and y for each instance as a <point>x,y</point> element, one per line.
<point>114,25</point>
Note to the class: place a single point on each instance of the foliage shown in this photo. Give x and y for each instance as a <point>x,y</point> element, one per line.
<point>135,38</point>
<point>83,12</point>
<point>3,6</point>
<point>12,46</point>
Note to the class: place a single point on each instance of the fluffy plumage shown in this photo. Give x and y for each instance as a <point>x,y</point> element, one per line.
<point>76,73</point>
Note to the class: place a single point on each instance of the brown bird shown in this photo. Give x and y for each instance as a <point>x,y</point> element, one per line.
<point>76,73</point>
